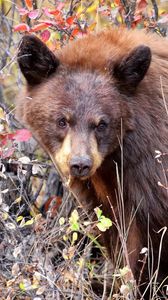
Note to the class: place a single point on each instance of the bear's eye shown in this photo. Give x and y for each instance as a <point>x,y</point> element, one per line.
<point>62,123</point>
<point>101,126</point>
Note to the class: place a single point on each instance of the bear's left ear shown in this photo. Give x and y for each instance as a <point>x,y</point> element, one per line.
<point>132,68</point>
<point>36,60</point>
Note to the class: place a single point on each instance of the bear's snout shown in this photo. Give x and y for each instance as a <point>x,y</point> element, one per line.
<point>80,166</point>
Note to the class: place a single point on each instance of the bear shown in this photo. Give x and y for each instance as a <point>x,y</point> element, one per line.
<point>98,108</point>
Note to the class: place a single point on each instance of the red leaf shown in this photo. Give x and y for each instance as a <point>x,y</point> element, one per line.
<point>55,12</point>
<point>70,20</point>
<point>21,27</point>
<point>53,203</point>
<point>29,4</point>
<point>45,35</point>
<point>39,27</point>
<point>137,18</point>
<point>23,11</point>
<point>33,14</point>
<point>51,13</point>
<point>22,135</point>
<point>75,31</point>
<point>141,5</point>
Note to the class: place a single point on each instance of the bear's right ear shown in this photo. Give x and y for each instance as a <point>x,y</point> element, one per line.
<point>36,60</point>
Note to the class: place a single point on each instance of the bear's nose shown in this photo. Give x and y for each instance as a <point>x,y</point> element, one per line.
<point>80,166</point>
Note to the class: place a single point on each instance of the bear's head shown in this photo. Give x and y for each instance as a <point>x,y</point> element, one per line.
<point>76,113</point>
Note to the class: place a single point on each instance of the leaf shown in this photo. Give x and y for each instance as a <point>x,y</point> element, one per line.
<point>21,27</point>
<point>10,226</point>
<point>98,212</point>
<point>124,289</point>
<point>17,200</point>
<point>2,128</point>
<point>33,14</point>
<point>5,191</point>
<point>62,221</point>
<point>17,251</point>
<point>5,216</point>
<point>104,223</point>
<point>75,31</point>
<point>36,169</point>
<point>22,135</point>
<point>15,269</point>
<point>124,271</point>
<point>141,5</point>
<point>22,286</point>
<point>2,114</point>
<point>25,285</point>
<point>144,250</point>
<point>93,7</point>
<point>39,27</point>
<point>74,237</point>
<point>70,20</point>
<point>29,4</point>
<point>45,35</point>
<point>55,12</point>
<point>19,218</point>
<point>73,221</point>
<point>92,26</point>
<point>40,290</point>
<point>24,160</point>
<point>7,152</point>
<point>23,11</point>
<point>47,12</point>
<point>29,222</point>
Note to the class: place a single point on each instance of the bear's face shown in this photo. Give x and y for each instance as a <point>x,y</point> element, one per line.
<point>75,114</point>
<point>78,120</point>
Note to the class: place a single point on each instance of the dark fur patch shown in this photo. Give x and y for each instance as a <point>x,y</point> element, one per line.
<point>132,68</point>
<point>36,61</point>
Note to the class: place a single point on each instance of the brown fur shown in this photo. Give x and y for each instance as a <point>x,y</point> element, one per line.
<point>106,74</point>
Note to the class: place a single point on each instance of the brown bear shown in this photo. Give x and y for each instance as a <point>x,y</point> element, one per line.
<point>98,107</point>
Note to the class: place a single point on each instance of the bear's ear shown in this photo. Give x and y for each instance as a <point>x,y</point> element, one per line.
<point>132,68</point>
<point>35,59</point>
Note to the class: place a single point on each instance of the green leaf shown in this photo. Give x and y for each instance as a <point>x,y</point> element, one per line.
<point>124,271</point>
<point>104,223</point>
<point>73,221</point>
<point>98,212</point>
<point>22,286</point>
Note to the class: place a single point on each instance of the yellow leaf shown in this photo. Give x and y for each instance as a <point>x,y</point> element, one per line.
<point>92,26</point>
<point>5,215</point>
<point>22,286</point>
<point>29,222</point>
<point>2,114</point>
<point>17,200</point>
<point>61,221</point>
<point>93,7</point>
<point>19,218</point>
